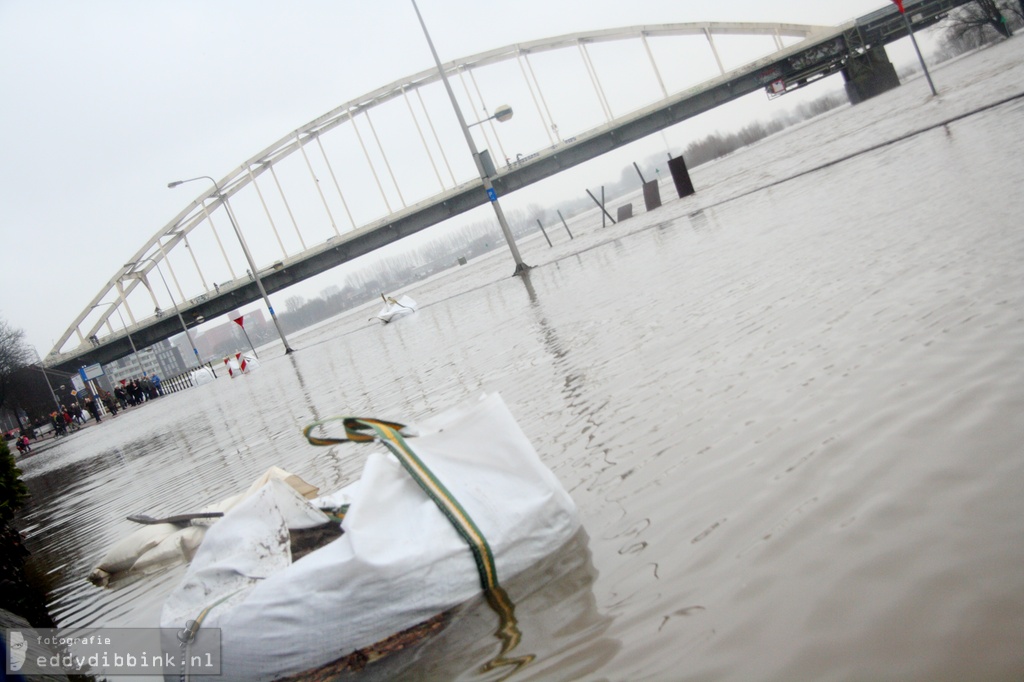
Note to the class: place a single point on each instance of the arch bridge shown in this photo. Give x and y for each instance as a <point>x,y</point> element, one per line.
<point>390,163</point>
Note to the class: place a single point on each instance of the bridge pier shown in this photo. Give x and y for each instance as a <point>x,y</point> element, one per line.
<point>869,74</point>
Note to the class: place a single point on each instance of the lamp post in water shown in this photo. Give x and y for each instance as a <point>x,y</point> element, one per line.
<point>910,31</point>
<point>245,250</point>
<point>502,115</point>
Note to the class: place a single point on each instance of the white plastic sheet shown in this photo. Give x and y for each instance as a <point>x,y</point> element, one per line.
<point>157,546</point>
<point>399,562</point>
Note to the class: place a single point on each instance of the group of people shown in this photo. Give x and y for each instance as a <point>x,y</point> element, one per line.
<point>126,394</point>
<point>23,444</point>
<point>70,417</point>
<point>137,391</point>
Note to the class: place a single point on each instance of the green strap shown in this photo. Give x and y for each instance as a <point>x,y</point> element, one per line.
<point>388,433</point>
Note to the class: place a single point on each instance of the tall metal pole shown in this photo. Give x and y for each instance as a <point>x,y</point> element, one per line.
<point>248,256</point>
<point>50,386</point>
<point>134,350</point>
<point>491,194</point>
<point>913,39</point>
<point>188,334</point>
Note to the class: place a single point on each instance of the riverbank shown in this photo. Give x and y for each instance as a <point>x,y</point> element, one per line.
<point>50,439</point>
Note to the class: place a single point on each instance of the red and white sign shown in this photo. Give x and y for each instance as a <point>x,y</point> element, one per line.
<point>899,4</point>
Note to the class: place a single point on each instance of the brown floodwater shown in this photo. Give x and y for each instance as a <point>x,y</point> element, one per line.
<point>789,413</point>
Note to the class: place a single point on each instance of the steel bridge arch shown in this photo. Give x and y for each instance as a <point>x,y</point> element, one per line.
<point>175,233</point>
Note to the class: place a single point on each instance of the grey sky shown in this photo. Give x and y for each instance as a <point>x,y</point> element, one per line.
<point>106,101</point>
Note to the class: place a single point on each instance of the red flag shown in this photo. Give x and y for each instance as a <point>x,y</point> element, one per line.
<point>899,4</point>
<point>238,320</point>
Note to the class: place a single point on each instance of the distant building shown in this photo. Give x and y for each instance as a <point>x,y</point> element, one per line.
<point>227,338</point>
<point>163,359</point>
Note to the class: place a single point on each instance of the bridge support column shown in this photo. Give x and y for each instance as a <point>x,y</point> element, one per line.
<point>869,74</point>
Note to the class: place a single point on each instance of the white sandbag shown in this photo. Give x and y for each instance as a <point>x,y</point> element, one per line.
<point>240,363</point>
<point>202,376</point>
<point>249,363</point>
<point>155,546</point>
<point>395,308</point>
<point>126,551</point>
<point>178,547</point>
<point>400,560</point>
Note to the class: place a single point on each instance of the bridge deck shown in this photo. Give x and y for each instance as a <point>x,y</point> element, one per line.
<point>822,53</point>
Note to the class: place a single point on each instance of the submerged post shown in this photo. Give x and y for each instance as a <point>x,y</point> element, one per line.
<point>488,187</point>
<point>913,39</point>
<point>604,211</point>
<point>564,223</point>
<point>248,256</point>
<point>544,232</point>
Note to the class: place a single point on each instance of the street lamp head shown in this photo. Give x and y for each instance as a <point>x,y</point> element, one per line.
<point>503,113</point>
<point>174,184</point>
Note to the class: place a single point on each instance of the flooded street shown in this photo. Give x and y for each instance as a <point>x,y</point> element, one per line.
<point>788,408</point>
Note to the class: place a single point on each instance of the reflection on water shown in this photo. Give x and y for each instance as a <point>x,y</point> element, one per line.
<point>791,423</point>
<point>548,628</point>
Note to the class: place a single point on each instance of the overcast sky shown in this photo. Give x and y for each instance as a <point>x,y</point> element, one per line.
<point>103,102</point>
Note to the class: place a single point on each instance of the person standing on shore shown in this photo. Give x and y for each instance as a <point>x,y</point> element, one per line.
<point>109,402</point>
<point>94,409</point>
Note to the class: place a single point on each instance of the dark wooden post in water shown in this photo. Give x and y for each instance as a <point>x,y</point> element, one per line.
<point>604,211</point>
<point>684,187</point>
<point>563,223</point>
<point>544,233</point>
<point>652,196</point>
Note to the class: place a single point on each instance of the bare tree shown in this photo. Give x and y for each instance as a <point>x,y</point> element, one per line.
<point>14,354</point>
<point>972,24</point>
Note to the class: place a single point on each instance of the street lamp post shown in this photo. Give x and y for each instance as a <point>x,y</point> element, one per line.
<point>50,386</point>
<point>135,351</point>
<point>521,267</point>
<point>188,334</point>
<point>913,39</point>
<point>248,256</point>
<point>42,368</point>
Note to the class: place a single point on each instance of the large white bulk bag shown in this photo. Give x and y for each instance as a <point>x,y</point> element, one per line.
<point>395,308</point>
<point>399,562</point>
<point>202,376</point>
